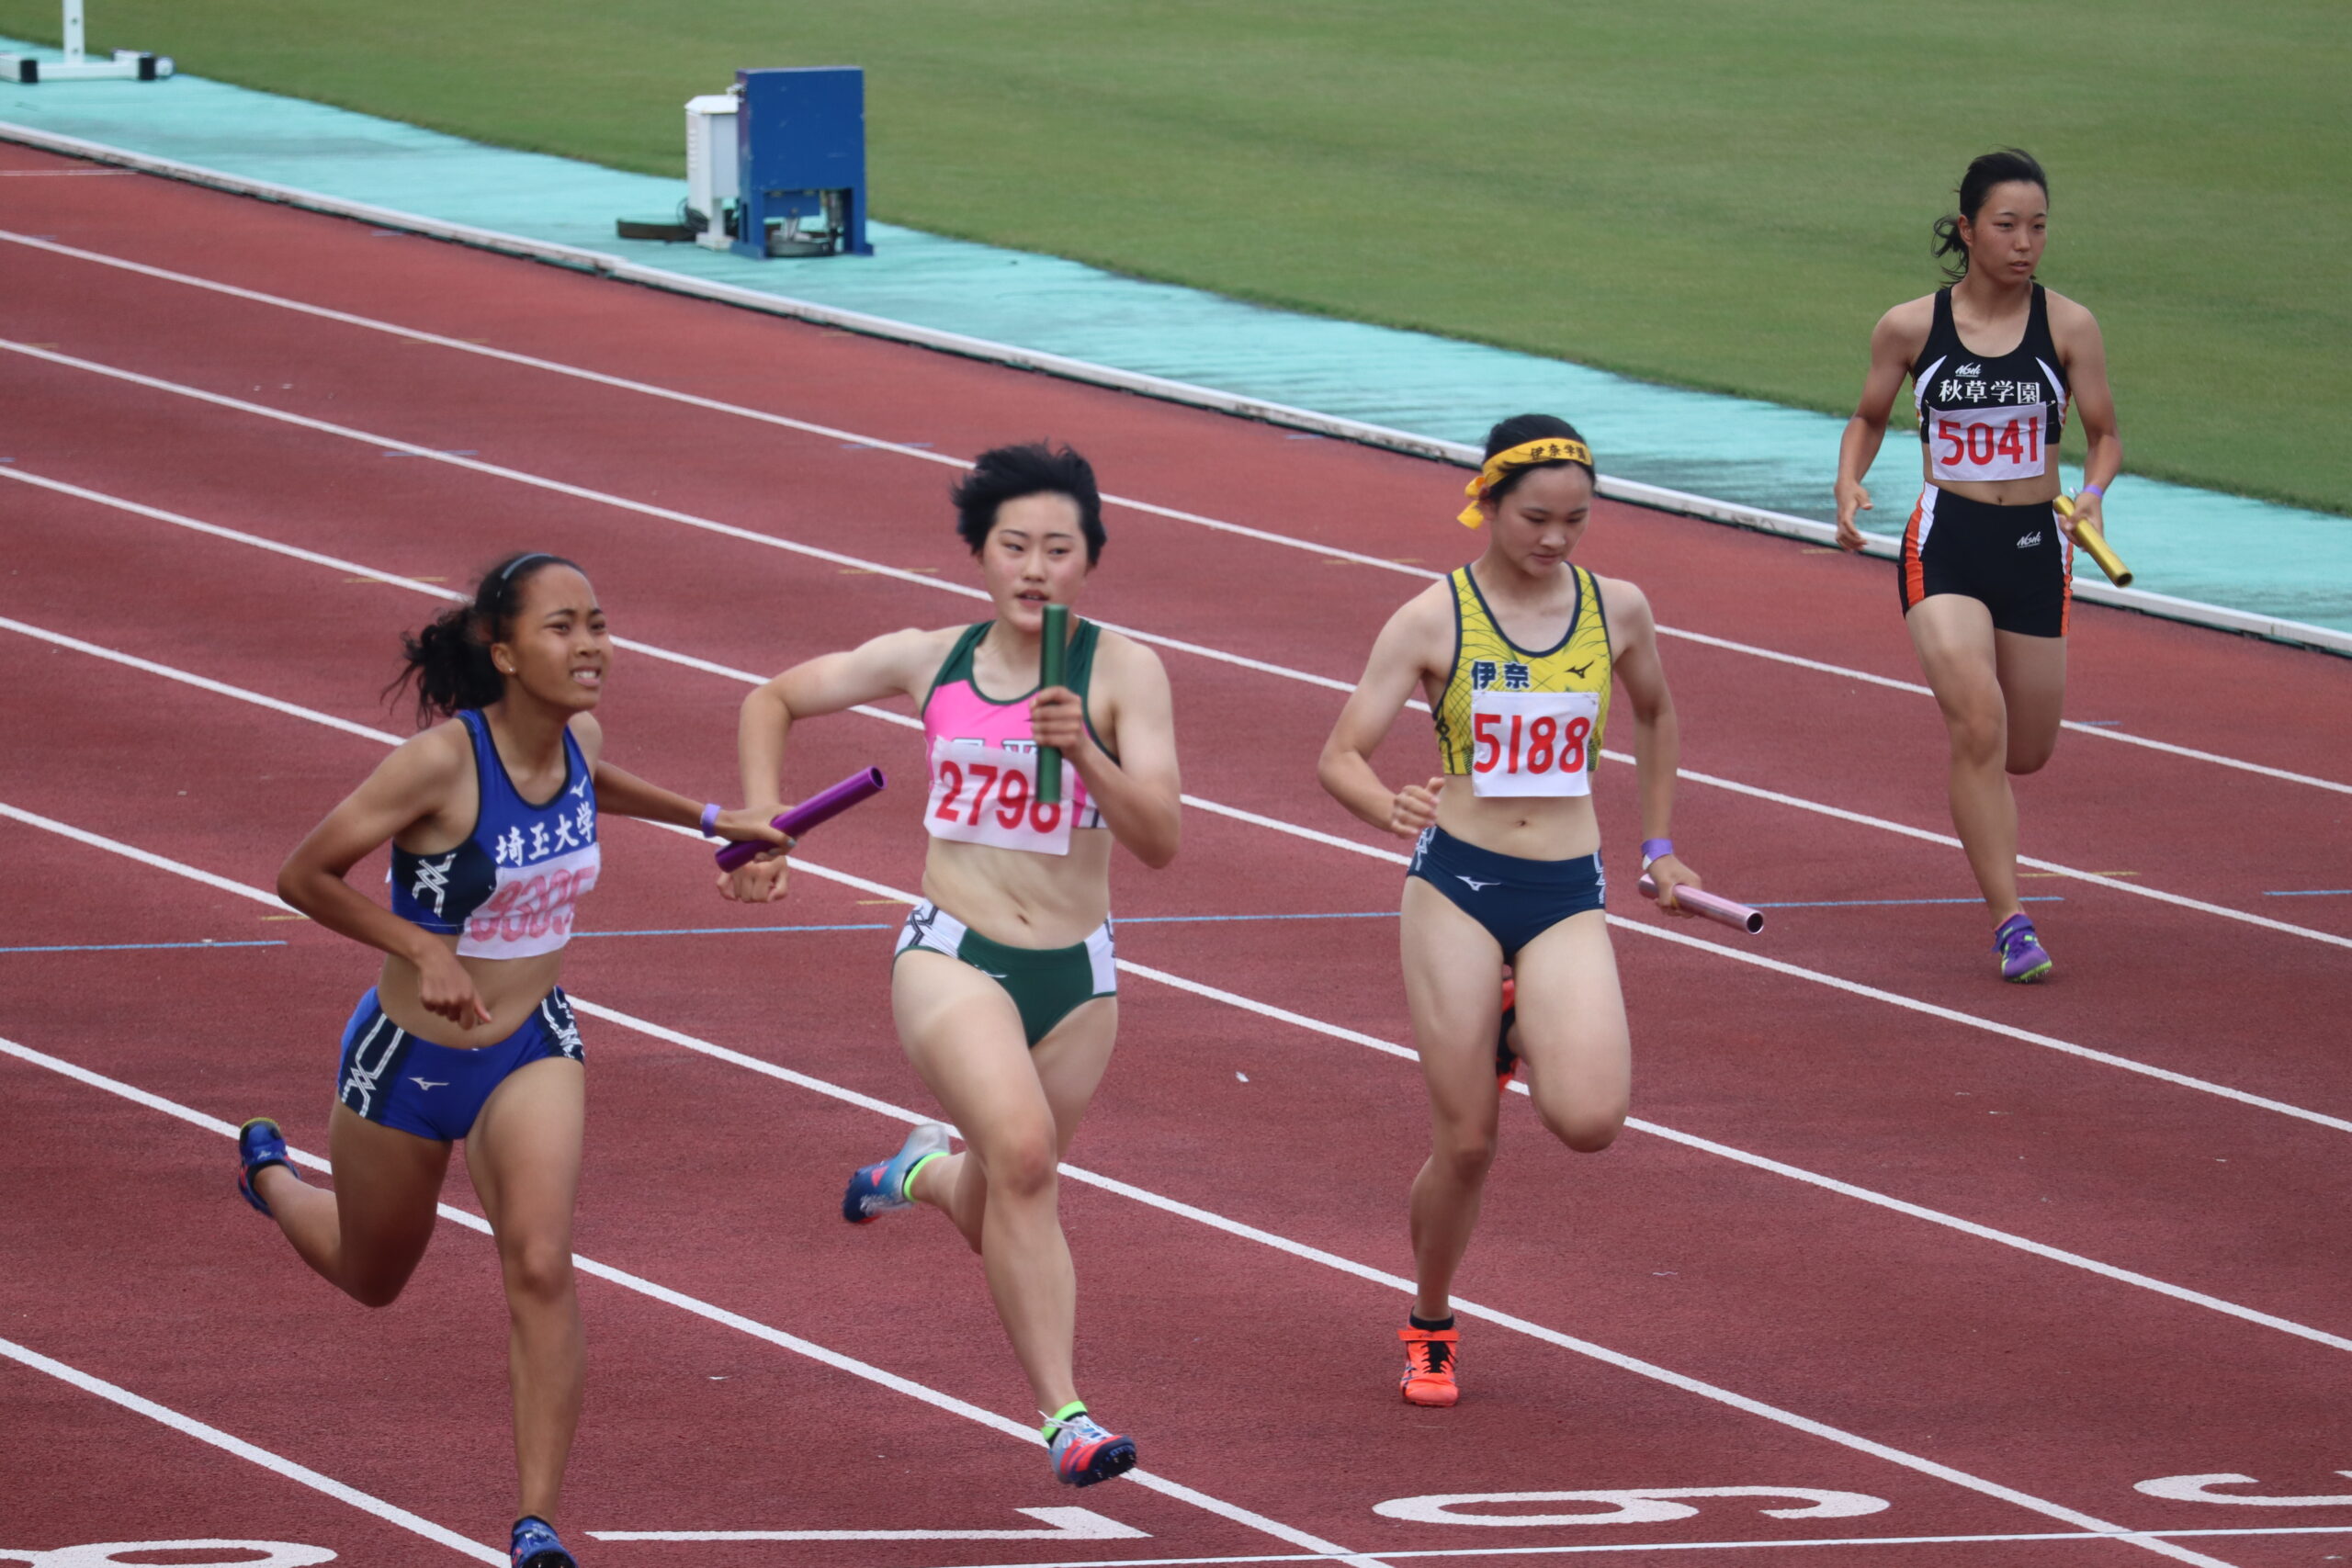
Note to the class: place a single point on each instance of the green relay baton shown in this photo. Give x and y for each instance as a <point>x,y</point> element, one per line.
<point>1051,659</point>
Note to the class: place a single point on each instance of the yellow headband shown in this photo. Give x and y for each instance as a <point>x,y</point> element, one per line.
<point>1527,455</point>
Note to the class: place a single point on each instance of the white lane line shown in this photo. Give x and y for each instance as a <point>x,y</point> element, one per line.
<point>1267,1009</point>
<point>1057,1524</point>
<point>786,422</point>
<point>2103,731</point>
<point>667,515</point>
<point>807,1349</point>
<point>1392,1282</point>
<point>1587,1548</point>
<point>1233,999</point>
<point>1332,1260</point>
<point>2242,916</point>
<point>772,541</point>
<point>1658,932</point>
<point>252,1453</point>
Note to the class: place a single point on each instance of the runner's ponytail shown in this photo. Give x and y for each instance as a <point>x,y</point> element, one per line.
<point>449,659</point>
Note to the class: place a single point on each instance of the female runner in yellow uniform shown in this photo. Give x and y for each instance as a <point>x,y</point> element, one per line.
<point>1987,569</point>
<point>1515,654</point>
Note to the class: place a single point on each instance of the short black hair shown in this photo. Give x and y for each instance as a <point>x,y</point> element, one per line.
<point>1975,187</point>
<point>1008,473</point>
<point>1518,431</point>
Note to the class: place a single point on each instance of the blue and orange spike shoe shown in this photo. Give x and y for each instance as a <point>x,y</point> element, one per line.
<point>2020,949</point>
<point>1083,1451</point>
<point>534,1545</point>
<point>259,1143</point>
<point>1430,1359</point>
<point>1507,1059</point>
<point>878,1189</point>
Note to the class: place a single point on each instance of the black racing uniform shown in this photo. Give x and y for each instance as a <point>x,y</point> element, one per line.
<point>1989,418</point>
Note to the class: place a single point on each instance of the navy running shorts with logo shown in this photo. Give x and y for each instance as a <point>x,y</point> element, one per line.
<point>390,1077</point>
<point>1047,984</point>
<point>1517,900</point>
<point>2015,559</point>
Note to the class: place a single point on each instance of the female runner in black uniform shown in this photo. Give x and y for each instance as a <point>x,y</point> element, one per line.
<point>492,815</point>
<point>1988,561</point>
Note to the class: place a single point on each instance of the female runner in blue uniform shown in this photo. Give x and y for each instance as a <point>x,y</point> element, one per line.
<point>491,817</point>
<point>1514,653</point>
<point>1988,565</point>
<point>1004,985</point>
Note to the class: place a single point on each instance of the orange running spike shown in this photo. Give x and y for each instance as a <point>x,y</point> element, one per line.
<point>1430,1359</point>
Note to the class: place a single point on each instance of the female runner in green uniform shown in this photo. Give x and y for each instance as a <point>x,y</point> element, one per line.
<point>1507,866</point>
<point>1005,987</point>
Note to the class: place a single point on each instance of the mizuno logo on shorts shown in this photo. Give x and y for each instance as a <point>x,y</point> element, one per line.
<point>2030,540</point>
<point>1474,885</point>
<point>426,1083</point>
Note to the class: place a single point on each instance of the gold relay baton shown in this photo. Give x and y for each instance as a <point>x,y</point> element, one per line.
<point>2088,535</point>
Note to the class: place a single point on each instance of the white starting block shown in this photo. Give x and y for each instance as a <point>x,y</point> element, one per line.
<point>123,64</point>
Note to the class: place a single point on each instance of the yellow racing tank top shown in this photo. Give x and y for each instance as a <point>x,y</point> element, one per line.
<point>1484,659</point>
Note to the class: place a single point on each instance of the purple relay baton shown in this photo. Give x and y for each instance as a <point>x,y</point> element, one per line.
<point>859,785</point>
<point>1714,908</point>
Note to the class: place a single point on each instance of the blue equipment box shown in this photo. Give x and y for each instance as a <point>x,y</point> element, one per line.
<point>800,143</point>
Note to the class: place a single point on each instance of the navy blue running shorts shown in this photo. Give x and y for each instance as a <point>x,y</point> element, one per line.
<point>1517,900</point>
<point>390,1077</point>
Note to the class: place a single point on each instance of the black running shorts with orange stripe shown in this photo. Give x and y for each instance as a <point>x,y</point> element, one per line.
<point>2015,559</point>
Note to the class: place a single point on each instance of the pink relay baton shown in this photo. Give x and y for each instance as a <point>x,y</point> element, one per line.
<point>1707,904</point>
<point>862,785</point>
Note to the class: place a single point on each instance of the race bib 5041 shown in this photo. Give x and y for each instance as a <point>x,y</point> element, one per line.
<point>1531,742</point>
<point>1994,442</point>
<point>988,795</point>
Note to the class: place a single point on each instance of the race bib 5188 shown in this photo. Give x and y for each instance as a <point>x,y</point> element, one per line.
<point>988,795</point>
<point>1995,442</point>
<point>1531,742</point>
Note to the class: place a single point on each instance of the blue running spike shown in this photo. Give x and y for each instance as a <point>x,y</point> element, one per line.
<point>878,1189</point>
<point>537,1546</point>
<point>259,1143</point>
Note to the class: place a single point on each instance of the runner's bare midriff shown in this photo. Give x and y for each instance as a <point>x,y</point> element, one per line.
<point>511,988</point>
<point>1020,898</point>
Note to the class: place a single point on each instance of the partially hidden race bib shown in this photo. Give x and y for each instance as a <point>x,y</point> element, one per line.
<point>1531,742</point>
<point>988,795</point>
<point>531,910</point>
<point>1995,442</point>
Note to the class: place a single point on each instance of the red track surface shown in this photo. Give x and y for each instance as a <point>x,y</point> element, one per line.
<point>1257,1375</point>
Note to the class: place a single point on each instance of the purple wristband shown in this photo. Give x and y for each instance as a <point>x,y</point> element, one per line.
<point>710,820</point>
<point>1656,849</point>
<point>2092,490</point>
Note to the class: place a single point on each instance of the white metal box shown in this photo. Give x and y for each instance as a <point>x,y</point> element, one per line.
<point>711,184</point>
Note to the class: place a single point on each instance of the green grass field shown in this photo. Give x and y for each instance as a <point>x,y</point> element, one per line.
<point>1711,193</point>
